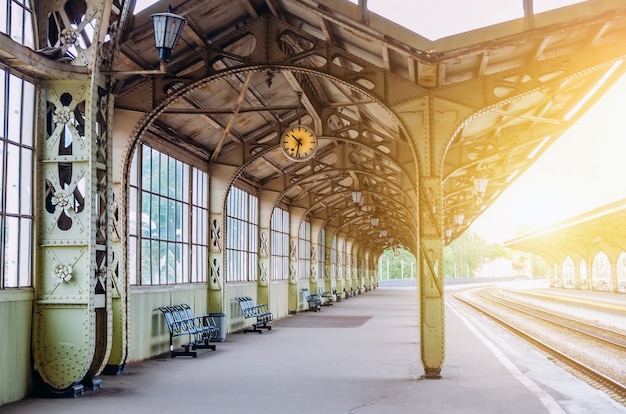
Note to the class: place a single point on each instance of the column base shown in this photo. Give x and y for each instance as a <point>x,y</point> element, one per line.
<point>432,374</point>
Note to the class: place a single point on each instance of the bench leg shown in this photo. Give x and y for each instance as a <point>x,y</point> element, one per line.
<point>204,345</point>
<point>255,328</point>
<point>186,352</point>
<point>258,328</point>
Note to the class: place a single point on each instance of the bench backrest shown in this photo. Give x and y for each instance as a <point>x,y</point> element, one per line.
<point>179,318</point>
<point>248,307</point>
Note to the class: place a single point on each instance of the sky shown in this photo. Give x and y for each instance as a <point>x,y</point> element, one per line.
<point>584,169</point>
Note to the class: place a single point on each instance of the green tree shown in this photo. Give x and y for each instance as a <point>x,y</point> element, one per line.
<point>397,264</point>
<point>466,255</point>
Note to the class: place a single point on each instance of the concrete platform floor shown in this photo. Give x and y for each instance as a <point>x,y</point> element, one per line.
<point>359,356</point>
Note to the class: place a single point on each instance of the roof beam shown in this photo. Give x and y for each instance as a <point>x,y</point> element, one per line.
<point>231,121</point>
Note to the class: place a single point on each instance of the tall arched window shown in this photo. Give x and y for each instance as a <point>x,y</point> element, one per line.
<point>242,235</point>
<point>321,253</point>
<point>333,259</point>
<point>304,250</point>
<point>17,109</point>
<point>280,244</point>
<point>166,194</point>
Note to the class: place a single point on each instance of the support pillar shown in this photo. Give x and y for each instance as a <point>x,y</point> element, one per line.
<point>430,271</point>
<point>72,315</point>
<point>220,177</point>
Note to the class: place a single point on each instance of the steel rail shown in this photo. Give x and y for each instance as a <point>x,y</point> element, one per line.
<point>611,386</point>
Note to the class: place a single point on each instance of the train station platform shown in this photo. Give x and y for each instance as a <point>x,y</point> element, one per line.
<point>359,356</point>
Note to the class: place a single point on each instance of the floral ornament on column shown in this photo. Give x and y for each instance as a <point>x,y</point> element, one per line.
<point>292,274</point>
<point>63,272</point>
<point>264,245</point>
<point>263,274</point>
<point>61,199</point>
<point>68,38</point>
<point>62,115</point>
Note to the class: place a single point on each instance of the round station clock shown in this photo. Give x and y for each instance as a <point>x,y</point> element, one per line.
<point>298,143</point>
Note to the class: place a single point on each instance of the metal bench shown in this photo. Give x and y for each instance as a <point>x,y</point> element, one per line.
<point>200,330</point>
<point>315,301</point>
<point>327,297</point>
<point>260,313</point>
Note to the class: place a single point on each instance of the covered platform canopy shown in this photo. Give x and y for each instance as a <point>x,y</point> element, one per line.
<point>415,139</point>
<point>583,241</point>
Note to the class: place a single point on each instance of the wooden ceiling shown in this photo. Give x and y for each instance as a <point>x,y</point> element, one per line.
<point>243,70</point>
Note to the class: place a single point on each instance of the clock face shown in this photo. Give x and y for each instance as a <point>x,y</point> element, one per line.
<point>298,143</point>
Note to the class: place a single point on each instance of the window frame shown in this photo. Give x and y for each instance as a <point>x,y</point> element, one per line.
<point>17,172</point>
<point>242,252</point>
<point>168,218</point>
<point>280,244</point>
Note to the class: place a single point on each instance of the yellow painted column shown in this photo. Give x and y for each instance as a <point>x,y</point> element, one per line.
<point>295,219</point>
<point>330,277</point>
<point>219,177</point>
<point>430,271</point>
<point>266,207</point>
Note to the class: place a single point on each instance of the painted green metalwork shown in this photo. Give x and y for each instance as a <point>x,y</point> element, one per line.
<point>72,309</point>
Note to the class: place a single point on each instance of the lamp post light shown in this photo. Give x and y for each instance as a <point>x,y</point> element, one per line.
<point>357,197</point>
<point>458,219</point>
<point>374,221</point>
<point>480,186</point>
<point>167,29</point>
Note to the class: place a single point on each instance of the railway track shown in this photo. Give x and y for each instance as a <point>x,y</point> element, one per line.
<point>484,302</point>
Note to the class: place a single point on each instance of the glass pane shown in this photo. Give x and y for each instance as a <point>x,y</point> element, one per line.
<point>146,167</point>
<point>161,259</point>
<point>15,108</point>
<point>194,186</point>
<point>2,192</point>
<point>173,179</point>
<point>154,216</point>
<point>163,173</point>
<point>203,227</point>
<point>132,260</point>
<point>164,218</point>
<point>184,175</point>
<point>132,211</point>
<point>3,21</point>
<point>2,94</point>
<point>171,261</point>
<point>26,184</point>
<point>25,246</point>
<point>155,262</point>
<point>17,25</point>
<point>194,264</point>
<point>146,223</point>
<point>182,220</point>
<point>13,179</point>
<point>146,270</point>
<point>194,224</point>
<point>155,171</point>
<point>28,118</point>
<point>29,36</point>
<point>11,246</point>
<point>133,169</point>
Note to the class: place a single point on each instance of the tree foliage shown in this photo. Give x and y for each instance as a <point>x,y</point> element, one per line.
<point>461,259</point>
<point>466,255</point>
